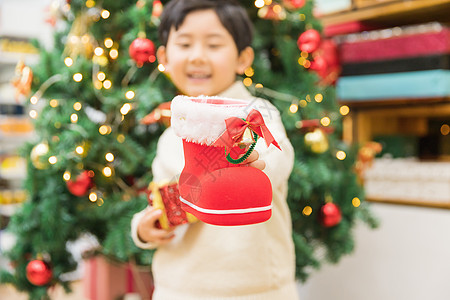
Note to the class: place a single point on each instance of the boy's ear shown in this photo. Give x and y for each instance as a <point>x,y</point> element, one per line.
<point>161,55</point>
<point>245,60</point>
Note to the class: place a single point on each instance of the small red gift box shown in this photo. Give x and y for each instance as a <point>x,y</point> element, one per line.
<point>167,198</point>
<point>107,280</point>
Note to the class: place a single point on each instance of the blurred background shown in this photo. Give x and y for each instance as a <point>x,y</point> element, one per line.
<point>394,80</point>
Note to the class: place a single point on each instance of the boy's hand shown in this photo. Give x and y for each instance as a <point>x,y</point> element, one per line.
<point>149,233</point>
<point>254,161</point>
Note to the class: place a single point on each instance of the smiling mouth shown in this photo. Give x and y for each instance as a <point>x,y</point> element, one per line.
<point>199,76</point>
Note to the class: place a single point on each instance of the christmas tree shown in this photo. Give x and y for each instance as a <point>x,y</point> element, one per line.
<point>89,170</point>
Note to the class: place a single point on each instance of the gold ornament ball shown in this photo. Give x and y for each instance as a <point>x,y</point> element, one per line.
<point>37,154</point>
<point>317,141</point>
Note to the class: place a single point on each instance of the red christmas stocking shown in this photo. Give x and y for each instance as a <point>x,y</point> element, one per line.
<point>213,186</point>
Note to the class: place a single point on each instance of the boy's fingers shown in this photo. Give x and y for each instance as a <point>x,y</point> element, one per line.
<point>252,157</point>
<point>161,234</point>
<point>259,164</point>
<point>254,161</point>
<point>147,230</point>
<point>152,216</point>
<point>165,240</point>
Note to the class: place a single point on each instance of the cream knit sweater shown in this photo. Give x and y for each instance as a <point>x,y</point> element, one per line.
<point>206,262</point>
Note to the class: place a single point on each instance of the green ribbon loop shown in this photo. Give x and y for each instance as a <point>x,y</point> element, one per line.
<point>246,155</point>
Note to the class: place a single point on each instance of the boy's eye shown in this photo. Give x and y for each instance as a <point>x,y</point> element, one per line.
<point>214,46</point>
<point>183,45</point>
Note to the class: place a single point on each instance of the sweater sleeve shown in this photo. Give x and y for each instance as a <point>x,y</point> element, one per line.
<point>167,165</point>
<point>134,235</point>
<point>169,159</point>
<point>279,164</point>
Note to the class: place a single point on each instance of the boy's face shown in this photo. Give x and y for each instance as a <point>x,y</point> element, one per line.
<point>201,57</point>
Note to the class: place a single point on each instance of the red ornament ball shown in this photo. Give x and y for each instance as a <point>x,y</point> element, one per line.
<point>320,65</point>
<point>326,61</point>
<point>142,51</point>
<point>294,4</point>
<point>270,12</point>
<point>38,272</point>
<point>81,185</point>
<point>309,41</point>
<point>330,215</point>
<point>330,52</point>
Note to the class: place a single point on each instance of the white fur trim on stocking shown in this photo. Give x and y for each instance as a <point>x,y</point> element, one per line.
<point>202,119</point>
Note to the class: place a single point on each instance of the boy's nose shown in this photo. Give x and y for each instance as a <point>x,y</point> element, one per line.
<point>198,54</point>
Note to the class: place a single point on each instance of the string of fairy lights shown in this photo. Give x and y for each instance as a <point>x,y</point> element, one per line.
<point>108,50</point>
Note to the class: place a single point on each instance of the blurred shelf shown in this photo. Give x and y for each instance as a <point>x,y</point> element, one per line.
<point>18,173</point>
<point>402,122</point>
<point>364,122</point>
<point>15,125</point>
<point>394,13</point>
<point>8,210</point>
<point>11,58</point>
<point>14,48</point>
<point>12,144</point>
<point>438,106</point>
<point>15,130</point>
<point>421,203</point>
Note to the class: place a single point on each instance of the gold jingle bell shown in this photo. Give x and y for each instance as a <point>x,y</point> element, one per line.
<point>247,139</point>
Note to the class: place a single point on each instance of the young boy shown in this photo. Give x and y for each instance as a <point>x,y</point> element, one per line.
<point>205,43</point>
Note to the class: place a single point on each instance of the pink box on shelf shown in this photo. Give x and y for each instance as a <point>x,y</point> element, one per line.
<point>406,45</point>
<point>107,280</point>
<point>346,28</point>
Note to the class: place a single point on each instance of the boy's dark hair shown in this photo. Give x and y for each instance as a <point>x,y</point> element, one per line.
<point>231,14</point>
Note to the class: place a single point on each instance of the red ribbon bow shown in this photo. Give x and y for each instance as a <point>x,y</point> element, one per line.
<point>235,128</point>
